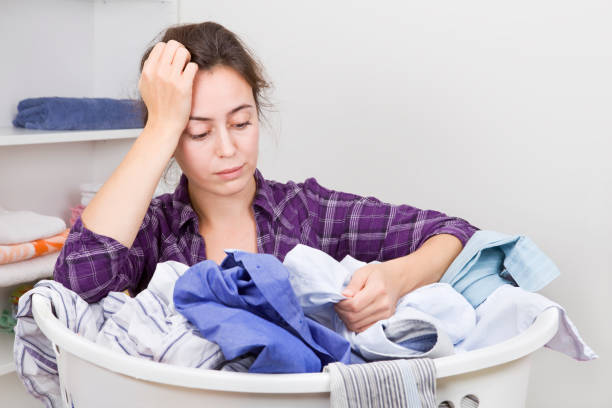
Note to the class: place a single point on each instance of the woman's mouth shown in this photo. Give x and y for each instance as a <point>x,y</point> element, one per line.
<point>230,173</point>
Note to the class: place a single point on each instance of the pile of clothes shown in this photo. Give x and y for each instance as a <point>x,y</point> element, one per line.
<point>253,313</point>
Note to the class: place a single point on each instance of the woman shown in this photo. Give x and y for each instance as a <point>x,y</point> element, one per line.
<point>202,90</point>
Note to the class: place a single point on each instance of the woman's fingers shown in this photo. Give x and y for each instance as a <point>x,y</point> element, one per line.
<point>368,306</point>
<point>361,324</point>
<point>189,74</point>
<point>361,300</point>
<point>374,312</point>
<point>152,60</point>
<point>166,86</point>
<point>181,58</point>
<point>168,54</point>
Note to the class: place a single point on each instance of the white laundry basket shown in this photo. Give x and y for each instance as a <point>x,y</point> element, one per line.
<point>92,376</point>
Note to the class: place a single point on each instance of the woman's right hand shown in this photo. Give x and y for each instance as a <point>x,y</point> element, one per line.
<point>166,85</point>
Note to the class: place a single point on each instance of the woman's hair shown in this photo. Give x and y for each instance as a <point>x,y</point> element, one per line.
<point>210,44</point>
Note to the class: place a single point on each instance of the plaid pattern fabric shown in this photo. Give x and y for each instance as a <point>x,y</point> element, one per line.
<point>286,214</point>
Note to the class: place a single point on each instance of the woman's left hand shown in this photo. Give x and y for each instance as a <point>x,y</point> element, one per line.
<point>373,293</point>
<point>375,288</point>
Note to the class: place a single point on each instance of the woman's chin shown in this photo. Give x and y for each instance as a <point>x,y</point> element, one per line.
<point>233,186</point>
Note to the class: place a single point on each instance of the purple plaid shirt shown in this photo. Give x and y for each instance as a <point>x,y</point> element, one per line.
<point>286,214</point>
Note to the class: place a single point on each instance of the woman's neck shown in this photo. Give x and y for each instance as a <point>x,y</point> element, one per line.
<point>215,210</point>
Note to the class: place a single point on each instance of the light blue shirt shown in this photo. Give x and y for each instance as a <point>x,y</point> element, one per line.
<point>491,259</point>
<point>427,321</point>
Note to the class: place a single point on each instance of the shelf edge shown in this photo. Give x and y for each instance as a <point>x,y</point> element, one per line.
<point>20,137</point>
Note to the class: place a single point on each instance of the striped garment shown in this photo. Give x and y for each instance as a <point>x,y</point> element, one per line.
<point>146,326</point>
<point>491,259</point>
<point>383,384</point>
<point>286,214</point>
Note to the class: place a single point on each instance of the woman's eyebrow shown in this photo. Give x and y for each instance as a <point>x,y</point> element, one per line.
<point>236,109</point>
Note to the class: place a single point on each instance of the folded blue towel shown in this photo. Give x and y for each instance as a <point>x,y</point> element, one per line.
<point>55,113</point>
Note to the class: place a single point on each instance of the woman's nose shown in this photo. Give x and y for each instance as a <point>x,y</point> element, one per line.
<point>225,143</point>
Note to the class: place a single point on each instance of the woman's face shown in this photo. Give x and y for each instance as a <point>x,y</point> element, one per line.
<point>222,133</point>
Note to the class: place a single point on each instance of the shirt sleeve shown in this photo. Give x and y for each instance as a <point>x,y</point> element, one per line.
<point>93,265</point>
<point>369,229</point>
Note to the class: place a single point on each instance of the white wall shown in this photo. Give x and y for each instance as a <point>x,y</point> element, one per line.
<point>30,66</point>
<point>123,29</point>
<point>498,112</point>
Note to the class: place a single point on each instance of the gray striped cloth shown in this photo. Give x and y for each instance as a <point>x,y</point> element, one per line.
<point>391,383</point>
<point>145,326</point>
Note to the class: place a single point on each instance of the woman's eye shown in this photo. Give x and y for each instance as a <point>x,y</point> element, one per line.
<point>242,125</point>
<point>200,136</point>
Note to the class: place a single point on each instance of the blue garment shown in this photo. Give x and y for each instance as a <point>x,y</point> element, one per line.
<point>55,113</point>
<point>247,305</point>
<point>491,259</point>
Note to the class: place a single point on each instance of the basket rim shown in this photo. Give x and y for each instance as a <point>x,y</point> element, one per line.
<point>64,340</point>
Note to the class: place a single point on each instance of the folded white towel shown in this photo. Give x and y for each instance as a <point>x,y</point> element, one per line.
<point>29,270</point>
<point>90,187</point>
<point>17,227</point>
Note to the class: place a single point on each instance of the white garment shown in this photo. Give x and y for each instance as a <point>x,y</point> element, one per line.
<point>17,227</point>
<point>510,310</point>
<point>29,270</point>
<point>145,326</point>
<point>433,310</point>
<point>149,326</point>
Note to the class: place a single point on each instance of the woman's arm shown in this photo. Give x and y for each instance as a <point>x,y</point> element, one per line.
<point>117,210</point>
<point>427,264</point>
<point>115,239</point>
<point>414,245</point>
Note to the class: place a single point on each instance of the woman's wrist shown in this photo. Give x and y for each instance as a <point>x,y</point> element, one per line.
<point>425,265</point>
<point>162,132</point>
<point>407,273</point>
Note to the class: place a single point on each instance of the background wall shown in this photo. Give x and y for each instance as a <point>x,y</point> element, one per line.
<point>498,112</point>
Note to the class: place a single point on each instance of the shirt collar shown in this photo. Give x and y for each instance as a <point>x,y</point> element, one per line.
<point>182,202</point>
<point>264,198</point>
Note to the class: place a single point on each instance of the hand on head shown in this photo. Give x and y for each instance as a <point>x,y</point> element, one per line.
<point>166,86</point>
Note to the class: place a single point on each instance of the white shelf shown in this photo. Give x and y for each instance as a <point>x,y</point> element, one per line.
<point>6,353</point>
<point>13,136</point>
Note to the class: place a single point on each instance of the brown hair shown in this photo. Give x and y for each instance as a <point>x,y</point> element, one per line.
<point>210,44</point>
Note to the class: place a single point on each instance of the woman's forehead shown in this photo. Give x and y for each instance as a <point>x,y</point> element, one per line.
<point>245,107</point>
<point>221,81</point>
